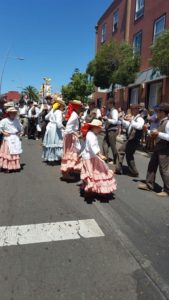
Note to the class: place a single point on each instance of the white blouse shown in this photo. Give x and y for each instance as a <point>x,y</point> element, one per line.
<point>91,147</point>
<point>137,123</point>
<point>55,117</point>
<point>73,123</point>
<point>10,126</point>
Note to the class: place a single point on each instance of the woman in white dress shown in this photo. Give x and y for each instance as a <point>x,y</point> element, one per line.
<point>10,150</point>
<point>53,139</point>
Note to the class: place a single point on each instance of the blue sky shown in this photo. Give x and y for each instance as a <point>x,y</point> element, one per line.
<point>54,37</point>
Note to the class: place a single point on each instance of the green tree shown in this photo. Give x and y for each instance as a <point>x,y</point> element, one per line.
<point>113,64</point>
<point>79,87</point>
<point>160,53</point>
<point>31,92</point>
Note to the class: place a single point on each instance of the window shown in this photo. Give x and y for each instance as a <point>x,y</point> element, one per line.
<point>103,34</point>
<point>134,95</point>
<point>155,94</point>
<point>137,42</point>
<point>139,9</point>
<point>159,27</point>
<point>115,20</point>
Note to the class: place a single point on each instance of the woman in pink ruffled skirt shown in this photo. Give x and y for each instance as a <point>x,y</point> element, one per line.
<point>97,178</point>
<point>71,162</point>
<point>10,149</point>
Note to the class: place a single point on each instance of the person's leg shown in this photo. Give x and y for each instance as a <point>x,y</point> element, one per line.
<point>112,135</point>
<point>29,129</point>
<point>25,126</point>
<point>152,170</point>
<point>121,155</point>
<point>105,147</point>
<point>164,170</point>
<point>130,150</point>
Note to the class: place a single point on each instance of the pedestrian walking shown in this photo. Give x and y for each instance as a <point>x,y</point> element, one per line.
<point>11,147</point>
<point>160,156</point>
<point>112,130</point>
<point>95,174</point>
<point>42,122</point>
<point>23,111</point>
<point>71,149</point>
<point>33,114</point>
<point>53,140</point>
<point>134,125</point>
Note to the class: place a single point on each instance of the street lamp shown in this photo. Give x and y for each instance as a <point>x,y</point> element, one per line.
<point>4,66</point>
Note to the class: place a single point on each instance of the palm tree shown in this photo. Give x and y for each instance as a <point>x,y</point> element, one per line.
<point>31,92</point>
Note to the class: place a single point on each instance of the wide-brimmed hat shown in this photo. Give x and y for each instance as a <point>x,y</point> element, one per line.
<point>135,106</point>
<point>76,102</point>
<point>9,104</point>
<point>96,123</point>
<point>58,99</point>
<point>11,110</point>
<point>35,103</point>
<point>163,107</point>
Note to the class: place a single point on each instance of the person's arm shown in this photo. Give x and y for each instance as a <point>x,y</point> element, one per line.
<point>48,116</point>
<point>59,119</point>
<point>114,117</point>
<point>99,114</point>
<point>37,112</point>
<point>165,136</point>
<point>70,123</point>
<point>19,126</point>
<point>138,125</point>
<point>2,126</point>
<point>125,124</point>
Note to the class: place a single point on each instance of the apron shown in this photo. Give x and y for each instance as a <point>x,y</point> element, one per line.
<point>14,144</point>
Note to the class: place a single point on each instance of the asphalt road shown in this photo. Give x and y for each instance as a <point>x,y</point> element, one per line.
<point>131,260</point>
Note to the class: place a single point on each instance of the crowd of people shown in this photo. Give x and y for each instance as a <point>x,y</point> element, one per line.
<point>70,137</point>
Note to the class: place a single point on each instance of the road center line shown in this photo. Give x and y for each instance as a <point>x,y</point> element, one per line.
<point>49,232</point>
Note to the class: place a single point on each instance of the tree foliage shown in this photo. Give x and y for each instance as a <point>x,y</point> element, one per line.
<point>31,93</point>
<point>79,87</point>
<point>160,53</point>
<point>114,63</point>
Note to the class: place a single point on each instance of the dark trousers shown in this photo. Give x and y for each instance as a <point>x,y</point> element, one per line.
<point>110,141</point>
<point>160,159</point>
<point>32,123</point>
<point>128,148</point>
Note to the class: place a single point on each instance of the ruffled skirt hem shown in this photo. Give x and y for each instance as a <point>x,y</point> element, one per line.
<point>97,177</point>
<point>52,154</point>
<point>8,161</point>
<point>71,161</point>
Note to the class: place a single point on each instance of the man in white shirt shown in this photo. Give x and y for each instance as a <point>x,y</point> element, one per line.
<point>111,131</point>
<point>134,128</point>
<point>87,114</point>
<point>33,114</point>
<point>160,156</point>
<point>23,111</point>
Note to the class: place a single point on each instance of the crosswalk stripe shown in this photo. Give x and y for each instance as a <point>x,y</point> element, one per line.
<point>49,232</point>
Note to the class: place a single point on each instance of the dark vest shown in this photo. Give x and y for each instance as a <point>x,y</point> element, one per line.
<point>110,127</point>
<point>135,134</point>
<point>162,144</point>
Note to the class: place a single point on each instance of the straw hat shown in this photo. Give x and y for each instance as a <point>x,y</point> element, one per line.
<point>163,107</point>
<point>135,106</point>
<point>11,110</point>
<point>96,123</point>
<point>58,99</point>
<point>77,102</point>
<point>8,104</point>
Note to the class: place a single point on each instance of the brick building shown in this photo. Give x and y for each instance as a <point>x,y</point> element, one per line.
<point>138,22</point>
<point>12,96</point>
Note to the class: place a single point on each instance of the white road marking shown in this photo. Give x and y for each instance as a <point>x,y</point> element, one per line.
<point>49,232</point>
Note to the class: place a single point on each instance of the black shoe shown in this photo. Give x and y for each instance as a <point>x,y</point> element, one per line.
<point>119,172</point>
